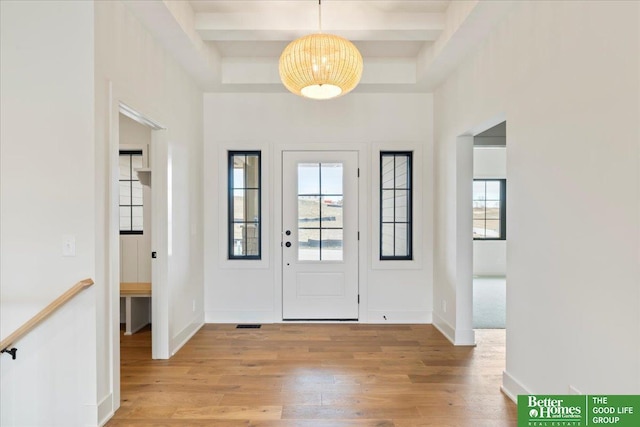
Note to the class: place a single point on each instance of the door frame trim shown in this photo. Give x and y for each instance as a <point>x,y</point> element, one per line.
<point>364,205</point>
<point>116,99</point>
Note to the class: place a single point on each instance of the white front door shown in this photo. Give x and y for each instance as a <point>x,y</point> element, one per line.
<point>320,235</point>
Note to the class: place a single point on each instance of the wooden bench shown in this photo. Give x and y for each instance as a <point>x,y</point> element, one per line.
<point>137,305</point>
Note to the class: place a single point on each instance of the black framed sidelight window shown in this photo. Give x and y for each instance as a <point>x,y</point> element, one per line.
<point>396,188</point>
<point>245,218</point>
<point>131,200</point>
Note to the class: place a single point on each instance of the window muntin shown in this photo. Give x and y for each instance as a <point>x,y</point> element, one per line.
<point>131,198</point>
<point>489,209</point>
<point>245,218</point>
<point>320,220</point>
<point>396,205</point>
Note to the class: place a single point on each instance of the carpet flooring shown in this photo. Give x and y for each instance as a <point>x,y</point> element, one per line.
<point>489,302</point>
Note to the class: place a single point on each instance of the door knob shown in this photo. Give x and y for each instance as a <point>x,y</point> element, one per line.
<point>288,244</point>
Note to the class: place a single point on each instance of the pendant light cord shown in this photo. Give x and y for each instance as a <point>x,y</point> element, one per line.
<point>320,16</point>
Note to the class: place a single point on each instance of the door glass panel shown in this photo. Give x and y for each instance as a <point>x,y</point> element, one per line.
<point>309,244</point>
<point>309,178</point>
<point>332,212</point>
<point>331,245</point>
<point>309,211</point>
<point>331,178</point>
<point>320,211</point>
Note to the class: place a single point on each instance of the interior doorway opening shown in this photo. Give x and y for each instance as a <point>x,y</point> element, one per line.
<point>134,208</point>
<point>489,228</point>
<point>132,260</point>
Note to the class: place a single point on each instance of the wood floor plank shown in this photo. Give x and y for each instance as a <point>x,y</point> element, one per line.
<point>327,412</point>
<point>385,399</point>
<point>315,375</point>
<point>272,399</point>
<point>323,423</point>
<point>229,412</point>
<point>177,423</point>
<point>173,398</point>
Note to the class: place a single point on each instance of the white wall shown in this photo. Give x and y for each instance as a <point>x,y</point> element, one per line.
<point>565,76</point>
<point>490,256</point>
<point>133,68</point>
<point>489,162</point>
<point>47,191</point>
<point>238,291</point>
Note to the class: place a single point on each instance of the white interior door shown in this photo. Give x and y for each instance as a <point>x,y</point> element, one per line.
<point>320,235</point>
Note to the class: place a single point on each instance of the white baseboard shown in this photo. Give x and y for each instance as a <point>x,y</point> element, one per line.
<point>444,327</point>
<point>384,316</point>
<point>240,316</point>
<point>455,336</point>
<point>185,335</point>
<point>105,409</point>
<point>375,316</point>
<point>512,387</point>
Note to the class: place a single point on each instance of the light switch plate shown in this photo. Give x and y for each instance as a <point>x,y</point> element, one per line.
<point>68,245</point>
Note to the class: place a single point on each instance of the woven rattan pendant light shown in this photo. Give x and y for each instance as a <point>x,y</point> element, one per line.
<point>320,66</point>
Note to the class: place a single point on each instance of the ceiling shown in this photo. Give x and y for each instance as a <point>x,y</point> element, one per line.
<point>234,46</point>
<point>492,137</point>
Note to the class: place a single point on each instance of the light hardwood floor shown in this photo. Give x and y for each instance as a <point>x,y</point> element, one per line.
<point>295,375</point>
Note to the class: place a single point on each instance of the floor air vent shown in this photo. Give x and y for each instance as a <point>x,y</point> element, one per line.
<point>248,326</point>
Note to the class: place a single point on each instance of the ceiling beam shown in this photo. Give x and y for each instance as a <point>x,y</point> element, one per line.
<point>283,24</point>
<point>289,35</point>
<point>264,71</point>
